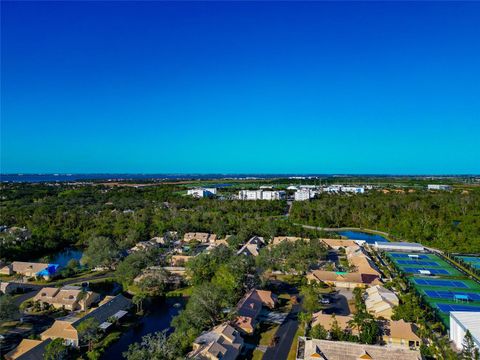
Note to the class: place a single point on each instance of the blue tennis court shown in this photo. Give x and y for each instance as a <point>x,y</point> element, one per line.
<point>417,262</point>
<point>451,295</point>
<point>432,271</point>
<point>456,307</point>
<point>439,282</point>
<point>417,256</point>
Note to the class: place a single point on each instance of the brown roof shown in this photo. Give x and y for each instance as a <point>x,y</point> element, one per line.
<point>400,330</point>
<point>335,243</point>
<point>327,320</point>
<point>61,329</point>
<point>24,346</point>
<point>340,350</point>
<point>332,276</point>
<point>278,239</point>
<point>23,267</point>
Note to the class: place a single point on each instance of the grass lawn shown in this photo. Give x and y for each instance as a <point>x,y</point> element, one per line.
<point>292,354</point>
<point>257,355</point>
<point>268,332</point>
<point>186,291</point>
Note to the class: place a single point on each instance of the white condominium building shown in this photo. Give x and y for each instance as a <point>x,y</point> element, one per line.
<point>438,187</point>
<point>261,195</point>
<point>202,192</point>
<point>304,194</point>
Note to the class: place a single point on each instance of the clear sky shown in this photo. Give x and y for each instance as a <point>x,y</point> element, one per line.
<point>240,87</point>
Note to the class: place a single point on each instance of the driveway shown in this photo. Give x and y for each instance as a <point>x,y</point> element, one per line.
<point>339,305</point>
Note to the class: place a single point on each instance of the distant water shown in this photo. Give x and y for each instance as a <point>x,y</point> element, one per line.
<point>35,178</point>
<point>63,257</point>
<point>358,235</point>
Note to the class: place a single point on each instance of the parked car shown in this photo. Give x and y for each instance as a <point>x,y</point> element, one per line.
<point>325,301</point>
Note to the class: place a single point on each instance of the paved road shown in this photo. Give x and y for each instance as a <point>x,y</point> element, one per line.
<point>286,334</point>
<point>24,297</point>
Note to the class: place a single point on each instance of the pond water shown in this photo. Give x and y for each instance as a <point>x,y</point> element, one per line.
<point>62,257</point>
<point>358,235</point>
<point>159,318</point>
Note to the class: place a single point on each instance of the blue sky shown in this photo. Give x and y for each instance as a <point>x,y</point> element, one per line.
<point>240,87</point>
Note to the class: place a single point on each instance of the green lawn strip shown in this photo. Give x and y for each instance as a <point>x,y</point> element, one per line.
<point>186,291</point>
<point>267,332</point>
<point>257,355</point>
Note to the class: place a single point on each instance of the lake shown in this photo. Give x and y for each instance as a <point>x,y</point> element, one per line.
<point>159,318</point>
<point>359,235</point>
<point>62,257</point>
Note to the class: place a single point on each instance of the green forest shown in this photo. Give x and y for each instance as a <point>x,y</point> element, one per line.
<point>60,215</point>
<point>448,221</point>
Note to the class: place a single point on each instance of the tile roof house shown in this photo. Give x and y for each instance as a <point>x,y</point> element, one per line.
<point>315,349</point>
<point>400,333</point>
<point>343,280</point>
<point>394,333</point>
<point>30,269</point>
<point>28,350</point>
<point>66,328</point>
<point>364,274</point>
<point>279,239</point>
<point>249,307</point>
<point>252,246</point>
<point>381,301</point>
<point>222,342</point>
<point>69,297</point>
<point>200,237</point>
<point>327,320</point>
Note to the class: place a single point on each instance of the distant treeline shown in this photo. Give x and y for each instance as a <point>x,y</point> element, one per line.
<point>445,220</point>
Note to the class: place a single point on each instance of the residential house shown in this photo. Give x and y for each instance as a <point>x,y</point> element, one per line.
<point>67,328</point>
<point>223,342</point>
<point>68,297</point>
<point>344,280</point>
<point>327,321</point>
<point>252,246</point>
<point>380,301</point>
<point>364,271</point>
<point>249,307</point>
<point>338,243</point>
<point>400,333</point>
<point>278,239</point>
<point>30,269</point>
<point>28,350</point>
<point>200,237</point>
<point>314,349</point>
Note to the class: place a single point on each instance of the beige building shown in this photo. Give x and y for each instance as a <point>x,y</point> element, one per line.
<point>327,320</point>
<point>400,334</point>
<point>364,272</point>
<point>250,306</point>
<point>279,239</point>
<point>30,269</point>
<point>28,350</point>
<point>315,349</point>
<point>223,342</point>
<point>343,280</point>
<point>381,301</point>
<point>338,243</point>
<point>200,237</point>
<point>67,328</point>
<point>69,297</point>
